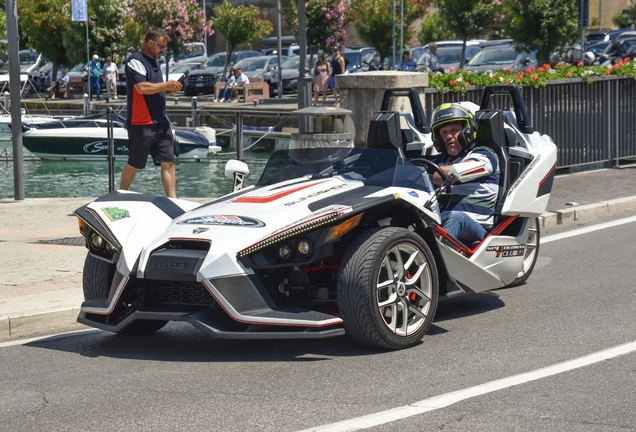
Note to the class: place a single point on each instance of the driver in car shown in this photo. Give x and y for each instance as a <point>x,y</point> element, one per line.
<point>470,214</point>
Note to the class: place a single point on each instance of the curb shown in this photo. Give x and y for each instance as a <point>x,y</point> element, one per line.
<point>587,212</point>
<point>44,323</point>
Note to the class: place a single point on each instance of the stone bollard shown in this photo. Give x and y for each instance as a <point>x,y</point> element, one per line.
<point>362,93</point>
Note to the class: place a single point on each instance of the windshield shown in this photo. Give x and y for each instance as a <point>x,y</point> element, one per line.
<point>219,60</point>
<point>251,65</point>
<point>494,56</point>
<point>374,167</point>
<point>354,58</point>
<point>28,58</point>
<point>452,55</point>
<point>291,63</point>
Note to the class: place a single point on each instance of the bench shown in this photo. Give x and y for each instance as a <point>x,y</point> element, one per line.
<point>76,85</point>
<point>256,89</point>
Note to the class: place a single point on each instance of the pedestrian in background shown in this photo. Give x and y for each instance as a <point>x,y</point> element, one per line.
<point>94,69</point>
<point>322,74</point>
<point>225,92</point>
<point>149,130</point>
<point>239,85</point>
<point>431,60</point>
<point>338,67</point>
<point>407,64</point>
<point>110,78</point>
<point>60,83</point>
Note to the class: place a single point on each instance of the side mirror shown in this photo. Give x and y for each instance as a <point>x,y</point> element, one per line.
<point>527,61</point>
<point>236,170</point>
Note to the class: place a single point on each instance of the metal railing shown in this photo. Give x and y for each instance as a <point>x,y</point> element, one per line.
<point>591,123</point>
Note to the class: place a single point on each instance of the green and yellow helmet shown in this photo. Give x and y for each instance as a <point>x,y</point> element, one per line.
<point>453,113</point>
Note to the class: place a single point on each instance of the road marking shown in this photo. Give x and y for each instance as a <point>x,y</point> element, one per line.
<point>442,401</point>
<point>585,230</point>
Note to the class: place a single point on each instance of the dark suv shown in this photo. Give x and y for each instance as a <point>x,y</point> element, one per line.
<point>202,80</point>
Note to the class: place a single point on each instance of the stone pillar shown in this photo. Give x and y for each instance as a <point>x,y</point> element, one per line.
<point>362,93</point>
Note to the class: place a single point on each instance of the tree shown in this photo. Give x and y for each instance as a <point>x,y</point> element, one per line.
<point>374,22</point>
<point>183,20</point>
<point>107,25</point>
<point>326,22</point>
<point>42,24</point>
<point>470,19</point>
<point>542,25</point>
<point>240,25</point>
<point>3,32</point>
<point>434,28</point>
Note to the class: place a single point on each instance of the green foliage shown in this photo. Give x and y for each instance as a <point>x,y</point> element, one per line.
<point>3,33</point>
<point>535,77</point>
<point>621,20</point>
<point>542,25</point>
<point>240,25</point>
<point>434,28</point>
<point>42,25</point>
<point>470,19</point>
<point>106,29</point>
<point>374,22</point>
<point>326,21</point>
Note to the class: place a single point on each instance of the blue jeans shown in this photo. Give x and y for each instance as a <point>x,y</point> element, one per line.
<point>94,81</point>
<point>463,227</point>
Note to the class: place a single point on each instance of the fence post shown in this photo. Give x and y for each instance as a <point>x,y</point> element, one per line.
<point>111,150</point>
<point>239,135</point>
<point>87,104</point>
<point>195,115</point>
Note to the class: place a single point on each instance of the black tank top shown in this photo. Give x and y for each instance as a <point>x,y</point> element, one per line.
<point>335,67</point>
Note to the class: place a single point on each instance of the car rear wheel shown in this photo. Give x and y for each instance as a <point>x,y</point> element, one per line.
<point>96,280</point>
<point>388,289</point>
<point>531,254</point>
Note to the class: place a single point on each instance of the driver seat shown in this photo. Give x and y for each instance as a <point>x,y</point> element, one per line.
<point>491,134</point>
<point>385,132</point>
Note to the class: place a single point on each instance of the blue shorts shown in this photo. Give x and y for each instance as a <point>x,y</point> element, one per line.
<point>332,83</point>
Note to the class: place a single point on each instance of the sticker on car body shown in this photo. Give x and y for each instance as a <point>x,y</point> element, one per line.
<point>225,220</point>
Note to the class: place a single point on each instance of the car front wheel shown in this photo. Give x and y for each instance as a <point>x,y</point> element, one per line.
<point>531,254</point>
<point>388,289</point>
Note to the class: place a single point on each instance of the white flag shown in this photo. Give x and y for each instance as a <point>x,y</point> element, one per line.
<point>79,10</point>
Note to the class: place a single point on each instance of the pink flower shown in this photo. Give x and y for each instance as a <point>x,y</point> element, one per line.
<point>507,69</point>
<point>540,69</point>
<point>580,64</point>
<point>608,72</point>
<point>569,74</point>
<point>453,82</point>
<point>535,77</point>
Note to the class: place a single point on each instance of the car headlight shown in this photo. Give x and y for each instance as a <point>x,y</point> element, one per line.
<point>304,247</point>
<point>284,252</point>
<point>96,241</point>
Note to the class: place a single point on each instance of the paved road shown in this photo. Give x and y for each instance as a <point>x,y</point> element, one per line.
<point>578,301</point>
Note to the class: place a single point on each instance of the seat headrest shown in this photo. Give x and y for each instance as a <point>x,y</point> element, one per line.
<point>385,131</point>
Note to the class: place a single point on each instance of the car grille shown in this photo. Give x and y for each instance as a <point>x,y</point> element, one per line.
<point>201,79</point>
<point>180,293</point>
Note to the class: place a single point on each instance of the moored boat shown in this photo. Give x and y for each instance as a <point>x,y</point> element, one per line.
<point>86,139</point>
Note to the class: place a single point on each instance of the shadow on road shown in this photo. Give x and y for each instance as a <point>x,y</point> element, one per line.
<point>180,342</point>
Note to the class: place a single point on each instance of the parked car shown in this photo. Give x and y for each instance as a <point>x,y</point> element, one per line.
<point>203,79</point>
<point>450,56</point>
<point>362,59</point>
<point>289,71</point>
<point>502,57</point>
<point>193,52</point>
<point>177,71</point>
<point>255,67</point>
<point>606,35</point>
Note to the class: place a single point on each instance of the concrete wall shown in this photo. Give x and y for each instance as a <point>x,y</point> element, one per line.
<point>362,93</point>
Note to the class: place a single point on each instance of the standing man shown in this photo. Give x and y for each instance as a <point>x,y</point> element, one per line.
<point>149,130</point>
<point>94,69</point>
<point>110,78</point>
<point>431,59</point>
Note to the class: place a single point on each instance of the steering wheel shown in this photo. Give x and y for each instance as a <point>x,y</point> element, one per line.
<point>443,197</point>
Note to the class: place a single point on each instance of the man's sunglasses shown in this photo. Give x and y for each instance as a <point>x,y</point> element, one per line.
<point>162,48</point>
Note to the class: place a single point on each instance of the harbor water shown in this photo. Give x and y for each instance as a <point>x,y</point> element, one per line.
<point>68,179</point>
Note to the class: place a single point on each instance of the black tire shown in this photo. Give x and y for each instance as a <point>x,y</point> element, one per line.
<point>369,297</point>
<point>531,254</point>
<point>96,280</point>
<point>97,277</point>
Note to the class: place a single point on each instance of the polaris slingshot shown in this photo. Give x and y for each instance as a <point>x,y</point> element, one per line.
<point>329,241</point>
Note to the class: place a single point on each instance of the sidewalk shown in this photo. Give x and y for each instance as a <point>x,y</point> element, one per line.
<point>43,254</point>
